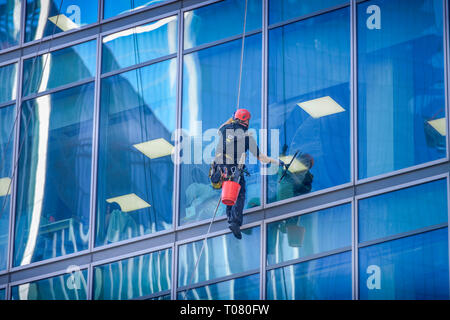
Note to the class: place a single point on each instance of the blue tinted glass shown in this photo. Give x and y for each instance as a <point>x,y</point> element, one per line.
<point>115,7</point>
<point>134,277</point>
<point>54,175</point>
<point>280,10</point>
<point>59,67</point>
<point>401,95</point>
<point>8,76</point>
<point>210,88</point>
<point>222,256</point>
<point>2,294</point>
<point>139,44</point>
<point>135,169</point>
<point>7,117</point>
<point>166,297</point>
<point>309,234</point>
<point>69,286</point>
<point>309,104</point>
<point>410,268</point>
<point>246,288</point>
<point>403,210</point>
<point>10,11</point>
<point>328,278</point>
<point>44,18</point>
<point>220,20</point>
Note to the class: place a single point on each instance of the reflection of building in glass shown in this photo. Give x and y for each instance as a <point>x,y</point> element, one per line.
<point>86,144</point>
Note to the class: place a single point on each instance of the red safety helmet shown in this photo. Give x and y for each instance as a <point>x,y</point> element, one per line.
<point>242,115</point>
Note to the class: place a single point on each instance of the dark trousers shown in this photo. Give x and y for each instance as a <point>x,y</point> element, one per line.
<point>234,213</point>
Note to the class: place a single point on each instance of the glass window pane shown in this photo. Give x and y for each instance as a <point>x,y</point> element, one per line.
<point>135,183</point>
<point>246,288</point>
<point>328,278</point>
<point>222,256</point>
<point>2,294</point>
<point>281,10</point>
<point>220,20</point>
<point>7,117</point>
<point>134,277</point>
<point>115,7</point>
<point>401,86</point>
<point>403,210</point>
<point>54,175</point>
<point>309,104</point>
<point>69,286</point>
<point>10,11</point>
<point>47,17</point>
<point>59,67</point>
<point>210,88</point>
<point>139,44</point>
<point>410,268</point>
<point>309,234</point>
<point>8,89</point>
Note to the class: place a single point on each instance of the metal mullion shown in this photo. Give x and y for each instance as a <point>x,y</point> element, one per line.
<point>219,280</point>
<point>7,104</point>
<point>134,12</point>
<point>153,295</point>
<point>90,283</point>
<point>403,235</point>
<point>401,186</point>
<point>221,41</point>
<point>138,66</point>
<point>15,167</point>
<point>307,16</point>
<point>200,5</point>
<point>309,258</point>
<point>175,261</point>
<point>94,164</point>
<point>48,48</point>
<point>446,71</point>
<point>59,88</point>
<point>354,140</point>
<point>263,139</point>
<point>23,16</point>
<point>100,11</point>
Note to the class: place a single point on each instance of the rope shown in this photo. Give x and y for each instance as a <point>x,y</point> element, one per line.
<point>237,107</point>
<point>201,251</point>
<point>242,55</point>
<point>18,112</point>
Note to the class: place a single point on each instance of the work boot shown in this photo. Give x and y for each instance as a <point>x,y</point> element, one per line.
<point>236,230</point>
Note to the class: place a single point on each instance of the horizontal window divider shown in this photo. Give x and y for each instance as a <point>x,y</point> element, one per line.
<point>50,261</point>
<point>7,104</point>
<point>401,186</point>
<point>46,276</point>
<point>221,41</point>
<point>309,195</point>
<point>131,254</point>
<point>199,4</point>
<point>153,295</point>
<point>401,171</point>
<point>137,11</point>
<point>59,88</point>
<point>308,258</point>
<point>138,66</point>
<point>402,235</point>
<point>218,280</point>
<point>309,15</point>
<point>49,49</point>
<point>9,62</point>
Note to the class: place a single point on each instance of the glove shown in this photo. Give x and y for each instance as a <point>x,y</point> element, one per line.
<point>282,164</point>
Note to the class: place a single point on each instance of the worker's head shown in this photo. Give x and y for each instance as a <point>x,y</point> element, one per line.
<point>242,116</point>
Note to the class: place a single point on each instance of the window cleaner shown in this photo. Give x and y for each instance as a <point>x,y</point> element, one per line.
<point>228,168</point>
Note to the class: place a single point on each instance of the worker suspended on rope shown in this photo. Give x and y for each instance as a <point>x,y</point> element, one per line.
<point>229,162</point>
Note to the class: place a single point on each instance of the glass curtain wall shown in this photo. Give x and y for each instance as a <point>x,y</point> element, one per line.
<point>137,119</point>
<point>10,12</point>
<point>401,86</point>
<point>112,8</point>
<point>309,104</point>
<point>47,17</point>
<point>210,92</point>
<point>409,259</point>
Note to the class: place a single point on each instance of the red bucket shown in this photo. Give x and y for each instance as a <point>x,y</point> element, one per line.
<point>230,192</point>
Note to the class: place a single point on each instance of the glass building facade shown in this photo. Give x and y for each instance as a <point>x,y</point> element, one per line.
<point>96,202</point>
